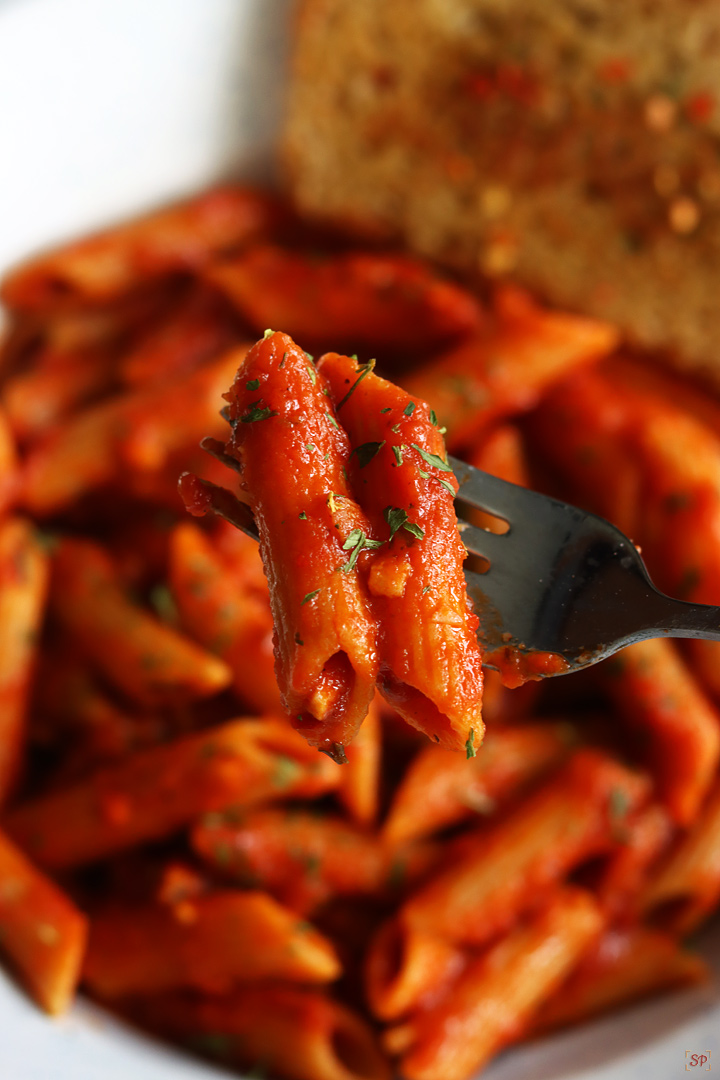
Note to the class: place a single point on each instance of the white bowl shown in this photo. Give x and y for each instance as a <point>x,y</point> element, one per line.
<point>108,107</point>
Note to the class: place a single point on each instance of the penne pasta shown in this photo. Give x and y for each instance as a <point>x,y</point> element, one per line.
<point>146,659</point>
<point>430,660</point>
<point>507,868</point>
<point>657,694</point>
<point>41,930</point>
<point>209,943</point>
<point>196,329</point>
<point>407,970</point>
<point>359,298</point>
<point>58,383</point>
<point>359,790</point>
<point>496,996</point>
<point>441,788</point>
<point>113,263</point>
<point>23,590</point>
<point>299,857</point>
<point>153,793</point>
<point>504,368</point>
<point>620,967</point>
<point>138,432</point>
<point>325,633</point>
<point>295,1034</point>
<point>9,471</point>
<point>222,609</point>
<point>686,888</point>
<point>646,837</point>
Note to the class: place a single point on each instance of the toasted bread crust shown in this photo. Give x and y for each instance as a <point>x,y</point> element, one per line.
<point>573,145</point>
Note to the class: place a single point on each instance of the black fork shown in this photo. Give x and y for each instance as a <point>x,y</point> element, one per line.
<point>563,581</point>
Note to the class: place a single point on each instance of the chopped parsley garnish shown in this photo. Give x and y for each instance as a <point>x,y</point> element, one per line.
<point>448,485</point>
<point>426,590</point>
<point>470,750</point>
<point>389,409</point>
<point>433,418</point>
<point>310,357</point>
<point>425,475</point>
<point>254,414</point>
<point>619,804</point>
<point>309,596</point>
<point>397,518</point>
<point>395,428</point>
<point>333,421</point>
<point>409,408</point>
<point>252,384</point>
<point>310,446</point>
<point>364,370</point>
<point>432,459</point>
<point>355,543</point>
<point>366,452</point>
<point>164,603</point>
<point>311,372</point>
<point>303,516</point>
<point>397,451</point>
<point>267,334</point>
<point>286,771</point>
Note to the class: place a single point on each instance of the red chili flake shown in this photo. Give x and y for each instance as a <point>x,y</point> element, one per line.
<point>507,81</point>
<point>617,70</point>
<point>700,107</point>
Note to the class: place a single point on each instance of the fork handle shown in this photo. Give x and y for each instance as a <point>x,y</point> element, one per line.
<point>677,618</point>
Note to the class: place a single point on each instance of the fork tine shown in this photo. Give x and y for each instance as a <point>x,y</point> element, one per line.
<point>484,491</point>
<point>481,542</point>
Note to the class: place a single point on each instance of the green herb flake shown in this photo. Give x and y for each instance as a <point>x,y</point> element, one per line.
<point>364,370</point>
<point>222,853</point>
<point>409,408</point>
<point>212,1044</point>
<point>267,334</point>
<point>303,516</point>
<point>425,475</point>
<point>433,418</point>
<point>333,421</point>
<point>282,362</point>
<point>397,518</point>
<point>470,750</point>
<point>286,772</point>
<point>447,485</point>
<point>383,411</point>
<point>252,384</point>
<point>425,590</point>
<point>367,451</point>
<point>254,414</point>
<point>618,804</point>
<point>356,541</point>
<point>310,357</point>
<point>309,596</point>
<point>312,373</point>
<point>164,603</point>
<point>432,459</point>
<point>397,451</point>
<point>310,446</point>
<point>395,428</point>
